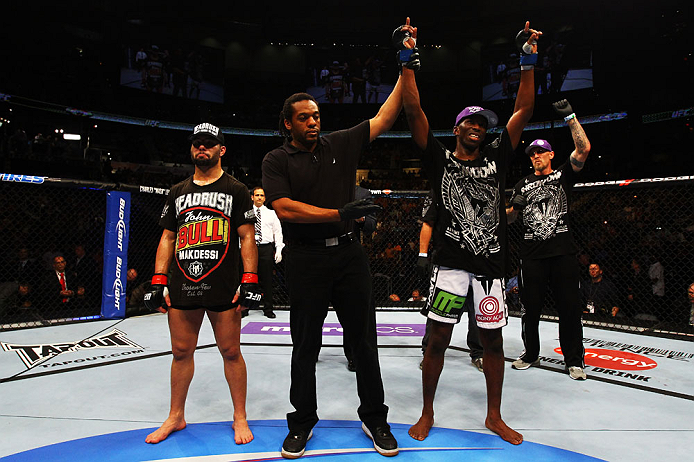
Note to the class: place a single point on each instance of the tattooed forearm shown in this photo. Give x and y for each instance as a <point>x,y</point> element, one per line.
<point>580,138</point>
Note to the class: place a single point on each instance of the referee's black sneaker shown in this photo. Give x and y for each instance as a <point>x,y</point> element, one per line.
<point>295,443</point>
<point>384,441</point>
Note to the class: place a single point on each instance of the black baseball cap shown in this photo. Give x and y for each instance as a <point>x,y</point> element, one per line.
<point>208,130</point>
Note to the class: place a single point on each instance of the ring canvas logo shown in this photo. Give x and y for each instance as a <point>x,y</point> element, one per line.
<point>617,360</point>
<point>32,354</point>
<point>334,328</point>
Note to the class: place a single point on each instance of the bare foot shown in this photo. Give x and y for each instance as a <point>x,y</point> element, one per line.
<point>242,434</point>
<point>420,430</point>
<point>504,431</point>
<point>169,426</point>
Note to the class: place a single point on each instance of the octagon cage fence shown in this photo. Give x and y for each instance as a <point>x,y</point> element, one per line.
<point>639,232</point>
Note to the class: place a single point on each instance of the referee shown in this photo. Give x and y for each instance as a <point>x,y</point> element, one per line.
<point>309,182</point>
<point>268,237</point>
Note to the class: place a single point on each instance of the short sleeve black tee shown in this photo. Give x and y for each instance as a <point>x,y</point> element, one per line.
<point>324,178</point>
<point>546,230</point>
<point>429,209</point>
<point>470,231</point>
<point>205,270</point>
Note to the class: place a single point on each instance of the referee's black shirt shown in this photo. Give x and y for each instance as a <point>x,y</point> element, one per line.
<point>324,178</point>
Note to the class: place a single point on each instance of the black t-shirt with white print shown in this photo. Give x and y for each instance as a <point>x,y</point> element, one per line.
<point>206,253</point>
<point>546,230</point>
<point>470,230</point>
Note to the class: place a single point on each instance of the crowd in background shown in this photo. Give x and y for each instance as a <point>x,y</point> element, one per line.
<point>640,237</point>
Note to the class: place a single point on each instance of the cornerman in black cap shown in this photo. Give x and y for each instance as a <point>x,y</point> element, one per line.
<point>548,250</point>
<point>204,218</point>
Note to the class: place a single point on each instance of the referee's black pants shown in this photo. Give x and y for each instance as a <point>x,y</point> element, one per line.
<point>317,276</point>
<point>560,273</point>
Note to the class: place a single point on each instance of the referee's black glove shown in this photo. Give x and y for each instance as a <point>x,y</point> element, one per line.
<point>358,209</point>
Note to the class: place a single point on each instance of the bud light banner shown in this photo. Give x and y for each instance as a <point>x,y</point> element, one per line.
<point>115,254</point>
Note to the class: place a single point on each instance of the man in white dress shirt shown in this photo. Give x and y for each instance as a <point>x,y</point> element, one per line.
<point>268,237</point>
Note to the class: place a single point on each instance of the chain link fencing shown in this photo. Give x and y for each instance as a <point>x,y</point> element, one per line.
<point>640,233</point>
<point>48,229</point>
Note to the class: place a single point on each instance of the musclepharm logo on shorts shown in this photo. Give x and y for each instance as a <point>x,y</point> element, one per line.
<point>447,304</point>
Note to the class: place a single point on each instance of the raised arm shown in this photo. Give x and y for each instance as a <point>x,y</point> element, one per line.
<point>387,114</point>
<point>416,119</point>
<point>525,97</point>
<point>581,144</point>
<point>391,108</point>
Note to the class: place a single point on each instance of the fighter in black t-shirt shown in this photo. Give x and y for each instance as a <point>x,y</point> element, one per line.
<point>470,232</point>
<point>548,252</point>
<point>204,218</point>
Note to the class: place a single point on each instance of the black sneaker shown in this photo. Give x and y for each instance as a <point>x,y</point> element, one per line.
<point>295,443</point>
<point>270,314</point>
<point>350,366</point>
<point>384,441</point>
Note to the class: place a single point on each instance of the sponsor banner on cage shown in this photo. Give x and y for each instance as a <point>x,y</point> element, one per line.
<point>10,177</point>
<point>334,328</point>
<point>115,254</point>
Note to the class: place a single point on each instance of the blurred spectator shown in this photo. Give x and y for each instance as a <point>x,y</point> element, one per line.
<point>656,272</point>
<point>513,293</point>
<point>83,267</point>
<point>600,297</point>
<point>638,288</point>
<point>60,292</point>
<point>135,291</point>
<point>416,296</point>
<point>19,305</point>
<point>21,268</point>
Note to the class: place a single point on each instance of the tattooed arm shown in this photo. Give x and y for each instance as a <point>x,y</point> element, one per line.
<point>580,153</point>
